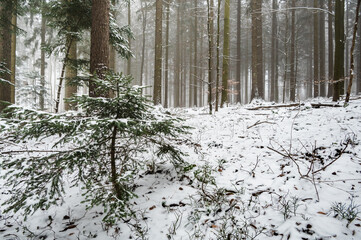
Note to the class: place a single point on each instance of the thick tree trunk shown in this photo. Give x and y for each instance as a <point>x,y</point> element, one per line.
<point>316,78</point>
<point>13,51</point>
<point>339,74</point>
<point>177,59</point>
<point>225,65</point>
<point>5,56</point>
<point>293,53</point>
<point>99,46</point>
<point>217,52</point>
<point>352,61</point>
<point>239,54</point>
<point>144,28</point>
<point>322,44</point>
<point>257,51</point>
<point>358,69</point>
<point>70,73</point>
<point>330,19</point>
<point>166,71</point>
<point>157,90</point>
<point>274,37</point>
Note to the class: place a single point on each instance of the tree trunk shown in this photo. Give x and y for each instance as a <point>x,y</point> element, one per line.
<point>129,62</point>
<point>13,50</point>
<point>338,86</point>
<point>225,65</point>
<point>358,74</point>
<point>352,63</point>
<point>274,37</point>
<point>239,54</point>
<point>316,78</point>
<point>293,53</point>
<point>5,56</point>
<point>166,72</point>
<point>286,57</point>
<point>157,90</point>
<point>330,49</point>
<point>322,44</point>
<point>99,46</point>
<point>42,60</point>
<point>144,28</point>
<point>257,51</point>
<point>210,51</point>
<point>217,50</point>
<point>195,71</point>
<point>177,60</point>
<point>70,73</point>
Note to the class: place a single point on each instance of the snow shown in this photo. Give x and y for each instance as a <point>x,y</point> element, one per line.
<point>253,183</point>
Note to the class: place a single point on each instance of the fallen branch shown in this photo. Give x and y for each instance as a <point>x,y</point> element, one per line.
<point>338,157</point>
<point>318,105</point>
<point>258,123</point>
<point>276,106</point>
<point>314,105</point>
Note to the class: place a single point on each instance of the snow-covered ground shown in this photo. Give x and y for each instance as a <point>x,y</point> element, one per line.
<point>258,174</point>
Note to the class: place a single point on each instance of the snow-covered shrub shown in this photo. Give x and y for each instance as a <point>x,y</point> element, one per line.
<point>101,148</point>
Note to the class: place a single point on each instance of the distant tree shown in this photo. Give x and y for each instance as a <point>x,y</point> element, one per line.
<point>210,27</point>
<point>195,67</point>
<point>157,89</point>
<point>338,85</point>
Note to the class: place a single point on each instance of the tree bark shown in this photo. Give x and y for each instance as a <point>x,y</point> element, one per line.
<point>13,50</point>
<point>322,44</point>
<point>339,74</point>
<point>70,73</point>
<point>225,65</point>
<point>157,90</point>
<point>210,5</point>
<point>177,60</point>
<point>257,51</point>
<point>129,62</point>
<point>239,53</point>
<point>330,49</point>
<point>217,52</point>
<point>293,53</point>
<point>42,61</point>
<point>352,61</point>
<point>195,71</point>
<point>316,78</point>
<point>144,28</point>
<point>5,56</point>
<point>99,44</point>
<point>274,36</point>
<point>166,72</point>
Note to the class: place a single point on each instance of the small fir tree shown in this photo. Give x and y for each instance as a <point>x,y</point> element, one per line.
<point>100,147</point>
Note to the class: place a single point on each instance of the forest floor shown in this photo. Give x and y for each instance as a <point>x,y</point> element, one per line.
<point>276,173</point>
